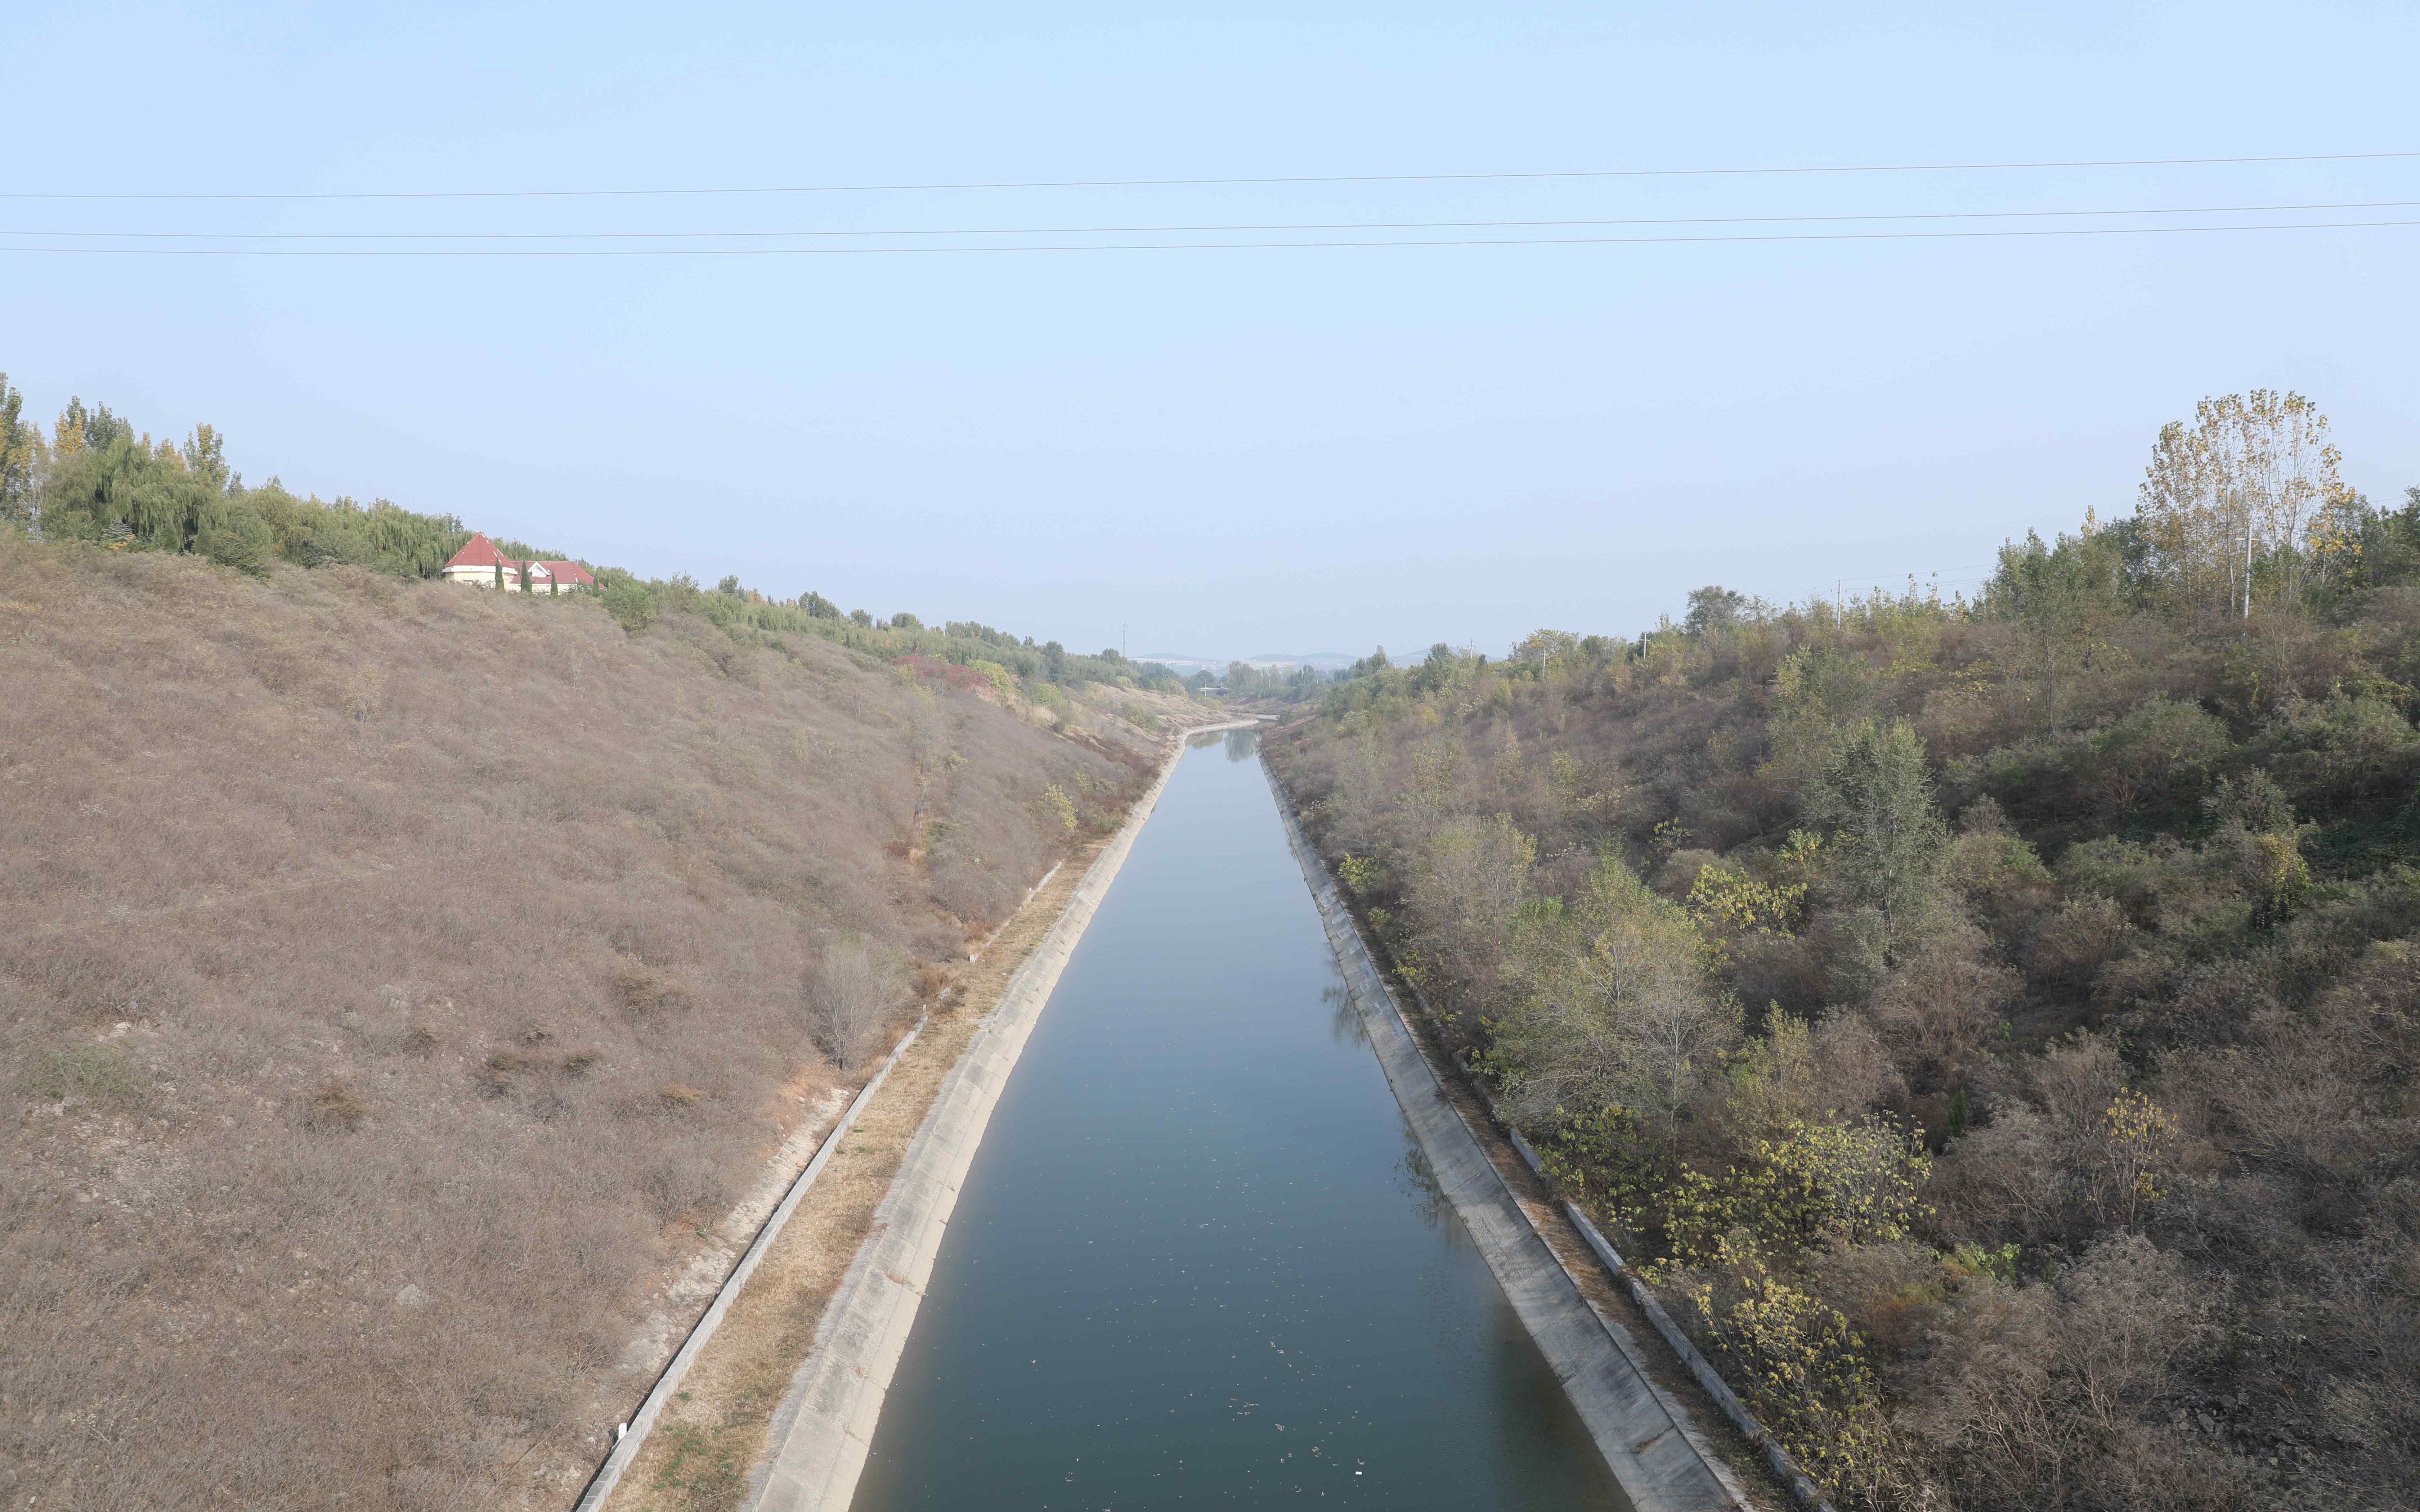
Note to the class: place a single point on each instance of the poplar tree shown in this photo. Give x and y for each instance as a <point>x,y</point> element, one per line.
<point>1874,793</point>
<point>20,446</point>
<point>2244,482</point>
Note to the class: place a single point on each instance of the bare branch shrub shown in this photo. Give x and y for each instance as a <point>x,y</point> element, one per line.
<point>852,992</point>
<point>1944,1011</point>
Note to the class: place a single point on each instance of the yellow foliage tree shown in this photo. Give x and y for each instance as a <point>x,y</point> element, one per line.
<point>2247,479</point>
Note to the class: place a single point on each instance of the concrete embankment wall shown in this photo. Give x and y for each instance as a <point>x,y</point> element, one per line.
<point>1646,1440</point>
<point>827,1422</point>
<point>633,1435</point>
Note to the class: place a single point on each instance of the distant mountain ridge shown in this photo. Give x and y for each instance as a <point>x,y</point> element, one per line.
<point>1323,660</point>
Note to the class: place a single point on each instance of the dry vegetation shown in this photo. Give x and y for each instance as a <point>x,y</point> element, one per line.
<point>398,977</point>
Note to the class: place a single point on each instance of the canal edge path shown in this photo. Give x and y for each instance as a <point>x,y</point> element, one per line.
<point>1662,1460</point>
<point>821,1433</point>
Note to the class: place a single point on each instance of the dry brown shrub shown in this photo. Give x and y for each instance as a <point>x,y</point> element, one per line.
<point>336,829</point>
<point>644,990</point>
<point>1944,1012</point>
<point>2086,933</point>
<point>335,1107</point>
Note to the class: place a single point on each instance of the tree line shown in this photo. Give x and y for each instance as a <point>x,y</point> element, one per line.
<point>95,478</point>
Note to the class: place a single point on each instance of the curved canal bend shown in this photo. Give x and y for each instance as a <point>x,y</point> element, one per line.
<point>1198,1259</point>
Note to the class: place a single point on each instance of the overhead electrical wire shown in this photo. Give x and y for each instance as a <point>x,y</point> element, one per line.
<point>1208,228</point>
<point>1222,182</point>
<point>1201,246</point>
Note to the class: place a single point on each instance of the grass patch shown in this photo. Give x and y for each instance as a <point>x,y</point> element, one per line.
<point>101,1073</point>
<point>704,1467</point>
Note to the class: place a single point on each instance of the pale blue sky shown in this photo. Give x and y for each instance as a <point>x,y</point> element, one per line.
<point>1234,451</point>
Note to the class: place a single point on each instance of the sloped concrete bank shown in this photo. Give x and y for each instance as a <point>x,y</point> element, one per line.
<point>827,1420</point>
<point>1662,1463</point>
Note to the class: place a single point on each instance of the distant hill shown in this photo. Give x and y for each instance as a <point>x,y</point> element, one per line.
<point>1183,666</point>
<point>1325,662</point>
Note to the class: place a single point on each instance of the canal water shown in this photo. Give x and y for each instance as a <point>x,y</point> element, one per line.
<point>1199,1260</point>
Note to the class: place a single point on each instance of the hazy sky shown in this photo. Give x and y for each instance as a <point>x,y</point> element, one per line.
<point>1236,451</point>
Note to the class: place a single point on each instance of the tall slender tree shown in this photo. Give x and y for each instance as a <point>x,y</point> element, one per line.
<point>21,448</point>
<point>1874,793</point>
<point>2243,482</point>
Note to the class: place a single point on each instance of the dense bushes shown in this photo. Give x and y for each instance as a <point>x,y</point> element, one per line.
<point>1997,1021</point>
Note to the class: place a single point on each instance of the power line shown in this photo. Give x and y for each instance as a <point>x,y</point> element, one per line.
<point>1193,183</point>
<point>1205,229</point>
<point>1203,246</point>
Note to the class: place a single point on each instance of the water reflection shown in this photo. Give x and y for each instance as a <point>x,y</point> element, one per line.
<point>1417,1181</point>
<point>1344,1024</point>
<point>1243,744</point>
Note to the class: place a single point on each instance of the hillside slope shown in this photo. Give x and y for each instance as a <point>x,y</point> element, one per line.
<point>398,976</point>
<point>1993,1026</point>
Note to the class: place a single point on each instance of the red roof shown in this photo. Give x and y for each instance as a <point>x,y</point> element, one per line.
<point>480,553</point>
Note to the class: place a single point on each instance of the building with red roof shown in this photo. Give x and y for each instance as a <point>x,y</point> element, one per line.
<point>481,565</point>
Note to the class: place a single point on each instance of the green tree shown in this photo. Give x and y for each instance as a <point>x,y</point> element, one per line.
<point>20,446</point>
<point>1817,691</point>
<point>1469,879</point>
<point>1712,608</point>
<point>232,534</point>
<point>1873,793</point>
<point>1061,808</point>
<point>125,491</point>
<point>1619,1007</point>
<point>2065,600</point>
<point>628,602</point>
<point>204,456</point>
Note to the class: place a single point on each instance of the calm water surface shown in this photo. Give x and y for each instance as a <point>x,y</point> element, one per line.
<point>1199,1260</point>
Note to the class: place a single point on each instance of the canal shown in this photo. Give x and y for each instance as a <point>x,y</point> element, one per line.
<point>1198,1259</point>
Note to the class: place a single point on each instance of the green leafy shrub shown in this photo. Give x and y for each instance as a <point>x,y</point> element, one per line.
<point>233,535</point>
<point>97,1072</point>
<point>632,606</point>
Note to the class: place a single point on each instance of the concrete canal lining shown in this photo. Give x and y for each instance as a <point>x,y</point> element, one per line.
<point>1661,1461</point>
<point>826,1420</point>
